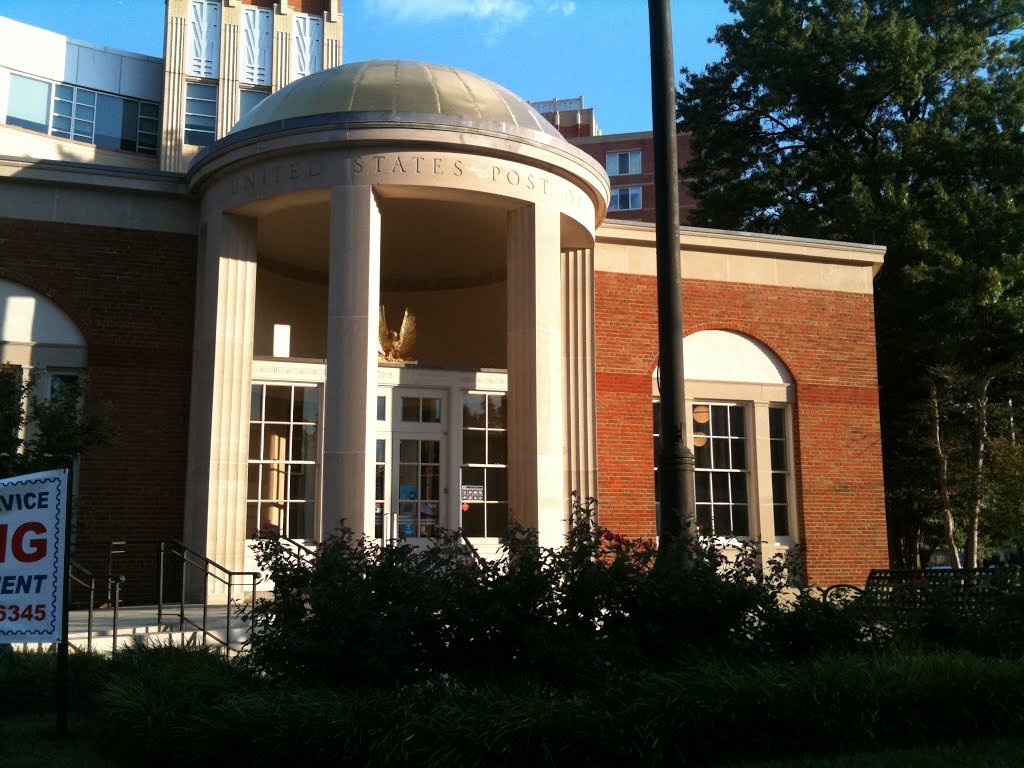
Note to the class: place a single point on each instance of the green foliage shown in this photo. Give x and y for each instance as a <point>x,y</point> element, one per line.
<point>27,681</point>
<point>887,122</point>
<point>687,715</point>
<point>52,431</point>
<point>362,614</point>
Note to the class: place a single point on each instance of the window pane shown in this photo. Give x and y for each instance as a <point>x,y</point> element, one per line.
<point>739,454</point>
<point>497,519</point>
<point>720,487</point>
<point>304,443</point>
<point>62,108</point>
<point>474,411</point>
<point>430,452</point>
<point>28,103</point>
<point>256,403</point>
<point>781,520</point>
<point>634,162</point>
<point>306,404</point>
<point>473,520</point>
<point>496,411</point>
<point>410,409</point>
<point>720,450</point>
<point>408,451</point>
<point>723,520</point>
<point>702,453</point>
<point>247,99</point>
<point>254,441</point>
<point>779,495</point>
<point>252,517</point>
<point>273,481</point>
<point>430,485</point>
<point>704,519</point>
<point>739,487</point>
<point>634,199</point>
<point>382,403</point>
<point>431,410</point>
<point>719,420</point>
<point>300,520</point>
<point>740,520</point>
<point>473,446</point>
<point>737,423</point>
<point>253,485</point>
<point>778,449</point>
<point>702,486</point>
<point>497,447</point>
<point>472,476</point>
<point>497,485</point>
<point>381,448</point>
<point>110,123</point>
<point>279,403</point>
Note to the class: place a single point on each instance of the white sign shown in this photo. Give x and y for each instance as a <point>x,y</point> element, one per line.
<point>32,520</point>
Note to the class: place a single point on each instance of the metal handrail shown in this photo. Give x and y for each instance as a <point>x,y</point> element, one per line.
<point>190,558</point>
<point>79,575</point>
<point>480,561</point>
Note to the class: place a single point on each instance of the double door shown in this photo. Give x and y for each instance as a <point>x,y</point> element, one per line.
<point>411,496</point>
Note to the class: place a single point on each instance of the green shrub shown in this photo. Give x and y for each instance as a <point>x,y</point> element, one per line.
<point>692,715</point>
<point>362,614</point>
<point>29,684</point>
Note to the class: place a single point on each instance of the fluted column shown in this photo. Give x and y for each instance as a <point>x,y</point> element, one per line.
<point>221,385</point>
<point>537,461</point>
<point>580,377</point>
<point>173,111</point>
<point>227,92</point>
<point>280,75</point>
<point>353,299</point>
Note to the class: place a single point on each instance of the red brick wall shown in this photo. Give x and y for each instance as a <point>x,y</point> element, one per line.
<point>131,293</point>
<point>827,340</point>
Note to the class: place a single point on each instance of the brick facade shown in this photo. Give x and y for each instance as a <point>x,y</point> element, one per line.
<point>131,293</point>
<point>826,339</point>
<point>598,147</point>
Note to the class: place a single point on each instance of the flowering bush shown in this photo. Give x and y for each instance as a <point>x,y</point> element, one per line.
<point>361,613</point>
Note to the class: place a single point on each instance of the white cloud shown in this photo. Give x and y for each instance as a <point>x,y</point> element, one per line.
<point>564,7</point>
<point>493,10</point>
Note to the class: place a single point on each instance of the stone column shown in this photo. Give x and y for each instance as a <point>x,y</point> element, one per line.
<point>762,509</point>
<point>353,299</point>
<point>172,114</point>
<point>580,372</point>
<point>537,459</point>
<point>227,82</point>
<point>221,386</point>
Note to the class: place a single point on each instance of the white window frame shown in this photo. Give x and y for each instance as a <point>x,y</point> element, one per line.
<point>188,98</point>
<point>618,193</point>
<point>613,164</point>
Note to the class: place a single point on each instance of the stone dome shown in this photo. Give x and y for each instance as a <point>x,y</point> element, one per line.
<point>398,91</point>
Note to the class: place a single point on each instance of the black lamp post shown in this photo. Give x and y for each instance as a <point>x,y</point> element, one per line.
<point>675,464</point>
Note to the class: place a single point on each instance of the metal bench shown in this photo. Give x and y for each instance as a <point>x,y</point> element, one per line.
<point>900,593</point>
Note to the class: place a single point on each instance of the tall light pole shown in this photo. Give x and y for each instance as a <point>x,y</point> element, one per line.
<point>675,464</point>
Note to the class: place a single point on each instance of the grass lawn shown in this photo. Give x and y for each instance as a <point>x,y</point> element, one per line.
<point>30,741</point>
<point>993,754</point>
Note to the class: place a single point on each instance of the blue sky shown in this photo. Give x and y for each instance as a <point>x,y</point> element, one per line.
<point>540,49</point>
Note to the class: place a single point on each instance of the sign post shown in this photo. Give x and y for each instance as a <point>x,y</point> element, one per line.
<point>33,566</point>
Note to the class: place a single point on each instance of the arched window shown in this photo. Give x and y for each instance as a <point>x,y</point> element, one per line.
<point>739,398</point>
<point>36,335</point>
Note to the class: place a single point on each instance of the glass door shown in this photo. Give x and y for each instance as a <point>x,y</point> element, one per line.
<point>410,473</point>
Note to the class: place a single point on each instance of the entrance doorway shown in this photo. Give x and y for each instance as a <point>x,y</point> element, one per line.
<point>411,497</point>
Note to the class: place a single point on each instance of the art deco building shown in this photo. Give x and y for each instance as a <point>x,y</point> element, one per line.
<point>209,239</point>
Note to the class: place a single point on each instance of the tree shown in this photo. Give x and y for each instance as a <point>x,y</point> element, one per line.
<point>51,432</point>
<point>894,122</point>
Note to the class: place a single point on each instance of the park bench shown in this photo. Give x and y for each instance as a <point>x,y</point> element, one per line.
<point>901,593</point>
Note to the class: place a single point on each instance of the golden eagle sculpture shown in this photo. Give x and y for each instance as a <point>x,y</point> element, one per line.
<point>395,347</point>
